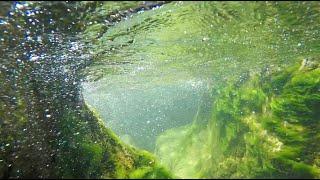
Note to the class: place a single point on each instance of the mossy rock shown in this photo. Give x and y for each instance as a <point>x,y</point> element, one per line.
<point>265,126</point>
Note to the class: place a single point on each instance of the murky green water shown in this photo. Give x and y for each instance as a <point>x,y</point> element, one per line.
<point>154,71</point>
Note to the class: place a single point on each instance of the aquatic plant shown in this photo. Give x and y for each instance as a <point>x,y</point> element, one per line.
<point>83,147</point>
<point>261,126</point>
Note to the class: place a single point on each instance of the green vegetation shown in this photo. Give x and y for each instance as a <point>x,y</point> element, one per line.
<point>261,126</point>
<point>82,148</point>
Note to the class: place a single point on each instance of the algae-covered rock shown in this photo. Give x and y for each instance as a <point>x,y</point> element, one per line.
<point>75,145</point>
<point>262,126</point>
<point>100,154</point>
<point>60,137</point>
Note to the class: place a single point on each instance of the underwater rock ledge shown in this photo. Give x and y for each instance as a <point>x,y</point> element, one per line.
<point>103,155</point>
<point>263,126</point>
<point>70,143</point>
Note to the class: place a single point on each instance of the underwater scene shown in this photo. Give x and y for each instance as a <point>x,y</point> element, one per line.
<point>160,89</point>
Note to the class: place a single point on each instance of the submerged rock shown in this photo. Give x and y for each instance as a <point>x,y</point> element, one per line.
<point>264,127</point>
<point>47,131</point>
<point>77,145</point>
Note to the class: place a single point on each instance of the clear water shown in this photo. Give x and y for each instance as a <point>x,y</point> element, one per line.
<point>144,73</point>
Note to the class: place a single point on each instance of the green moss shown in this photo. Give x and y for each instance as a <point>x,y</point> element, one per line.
<point>263,127</point>
<point>143,167</point>
<point>150,173</point>
<point>88,149</point>
<point>149,168</point>
<point>291,169</point>
<point>121,173</point>
<point>140,173</point>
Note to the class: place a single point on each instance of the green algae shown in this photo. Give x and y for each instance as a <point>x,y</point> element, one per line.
<point>277,124</point>
<point>83,148</point>
<point>261,126</point>
<point>104,155</point>
<point>40,138</point>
